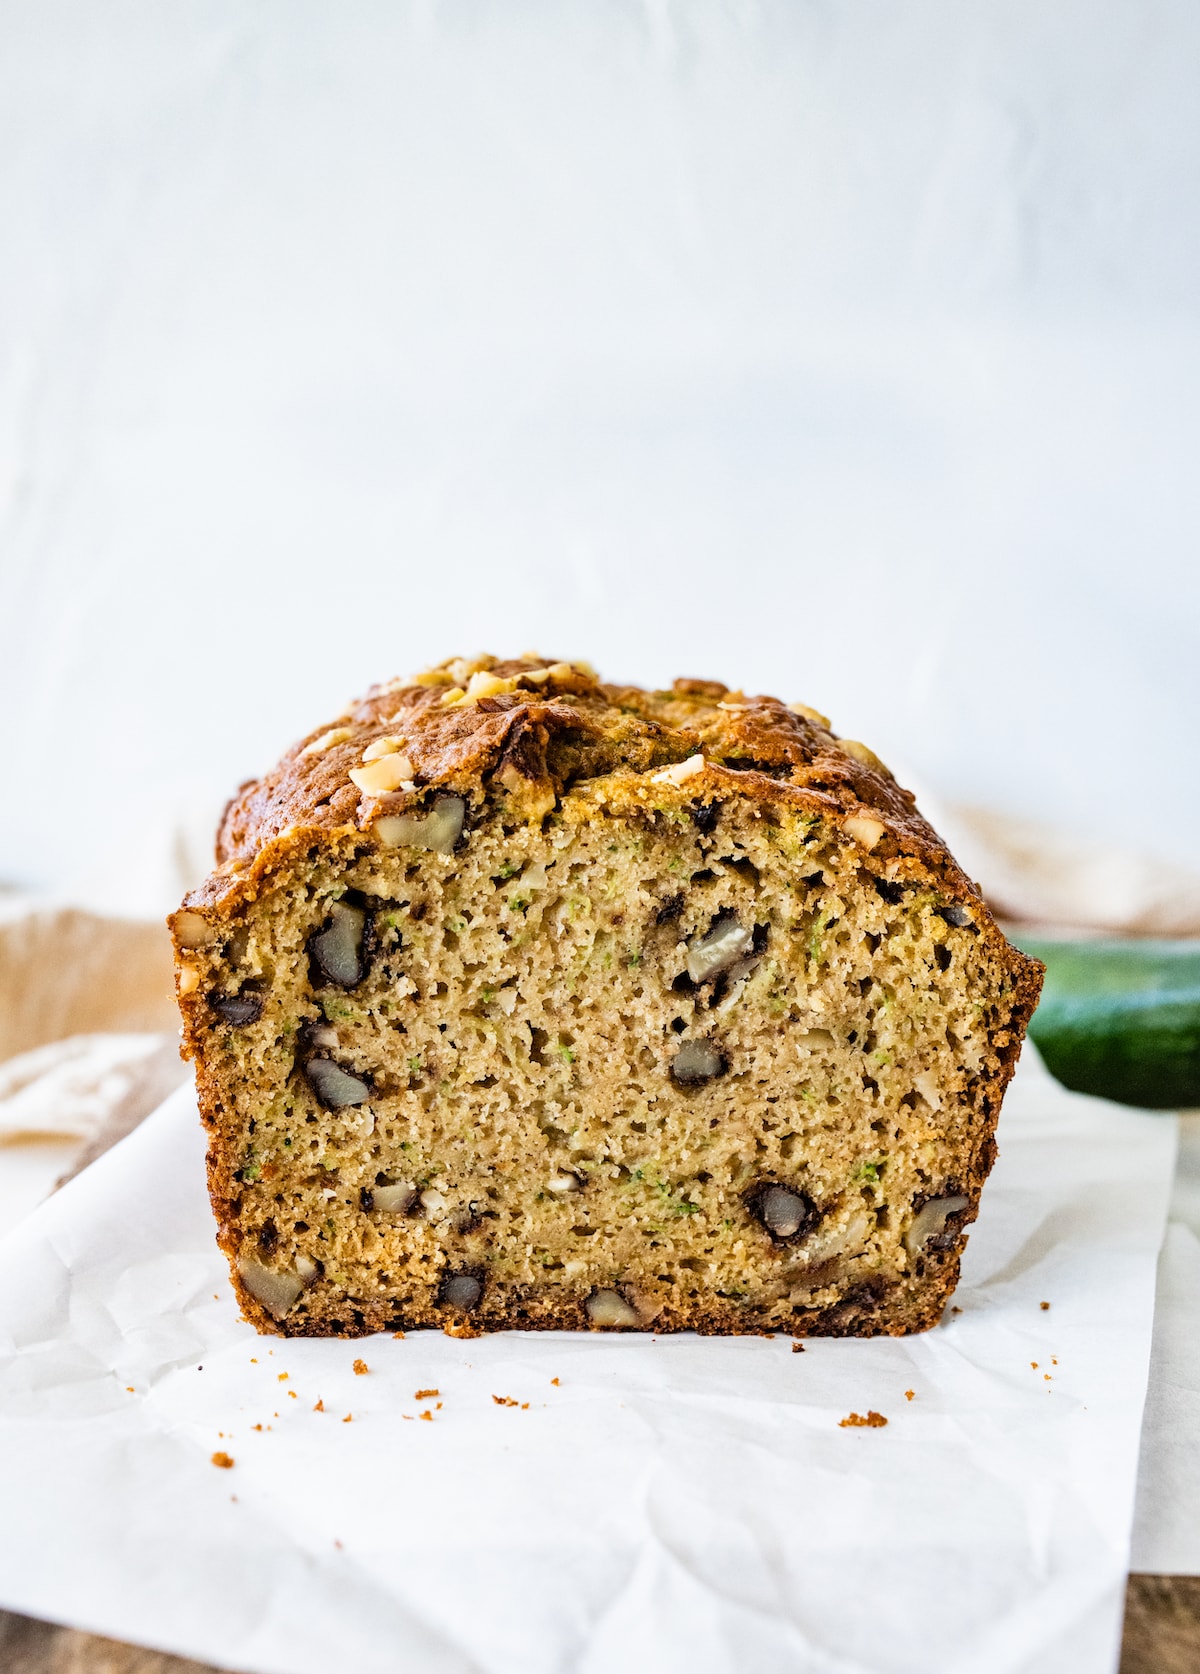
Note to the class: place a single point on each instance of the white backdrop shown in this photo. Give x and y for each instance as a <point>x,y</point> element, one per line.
<point>840,350</point>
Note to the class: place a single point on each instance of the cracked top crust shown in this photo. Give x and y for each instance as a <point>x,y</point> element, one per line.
<point>525,732</point>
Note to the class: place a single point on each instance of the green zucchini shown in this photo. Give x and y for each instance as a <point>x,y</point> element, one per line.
<point>1121,1019</point>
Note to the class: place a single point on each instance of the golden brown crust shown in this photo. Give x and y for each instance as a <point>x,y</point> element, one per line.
<point>556,732</point>
<point>519,730</point>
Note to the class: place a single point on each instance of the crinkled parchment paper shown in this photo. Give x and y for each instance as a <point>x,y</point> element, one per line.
<point>629,1502</point>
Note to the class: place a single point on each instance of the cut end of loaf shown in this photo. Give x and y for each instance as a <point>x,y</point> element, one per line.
<point>618,1011</point>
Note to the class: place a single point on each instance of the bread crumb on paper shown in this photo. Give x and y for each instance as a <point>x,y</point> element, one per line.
<point>361,1368</point>
<point>349,1418</point>
<point>1044,1306</point>
<point>856,1421</point>
<point>320,1407</point>
<point>909,1394</point>
<point>426,1394</point>
<point>223,1461</point>
<point>797,1348</point>
<point>556,1383</point>
<point>426,1415</point>
<point>504,1400</point>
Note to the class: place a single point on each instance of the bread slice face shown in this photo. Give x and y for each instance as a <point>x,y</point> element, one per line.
<point>520,1001</point>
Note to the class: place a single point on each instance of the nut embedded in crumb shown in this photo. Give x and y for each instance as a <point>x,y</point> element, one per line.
<point>872,1421</point>
<point>192,929</point>
<point>679,772</point>
<point>696,1061</point>
<point>461,1290</point>
<point>783,1212</point>
<point>864,754</point>
<point>439,830</point>
<point>189,980</point>
<point>865,830</point>
<point>388,773</point>
<point>387,745</point>
<point>810,714</point>
<point>222,1460</point>
<point>335,735</point>
<point>361,1368</point>
<point>930,1223</point>
<point>610,1311</point>
<point>723,945</point>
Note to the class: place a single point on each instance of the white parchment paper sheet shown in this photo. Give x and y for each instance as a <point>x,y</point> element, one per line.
<point>1166,1527</point>
<point>682,1504</point>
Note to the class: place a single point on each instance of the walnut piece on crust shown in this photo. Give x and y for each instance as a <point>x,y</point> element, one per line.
<point>519,1000</point>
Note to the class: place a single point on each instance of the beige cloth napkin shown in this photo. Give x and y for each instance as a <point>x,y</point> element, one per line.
<point>89,1040</point>
<point>1032,873</point>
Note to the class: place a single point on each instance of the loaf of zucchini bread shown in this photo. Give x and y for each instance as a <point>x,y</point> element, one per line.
<point>518,1001</point>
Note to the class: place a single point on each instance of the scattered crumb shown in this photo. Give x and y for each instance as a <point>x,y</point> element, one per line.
<point>909,1393</point>
<point>398,1335</point>
<point>1033,1365</point>
<point>222,1460</point>
<point>439,1406</point>
<point>292,1396</point>
<point>426,1394</point>
<point>555,1382</point>
<point>338,1544</point>
<point>524,1406</point>
<point>797,1348</point>
<point>348,1418</point>
<point>256,1426</point>
<point>320,1407</point>
<point>233,1497</point>
<point>253,1361</point>
<point>504,1400</point>
<point>129,1389</point>
<point>1043,1306</point>
<point>426,1415</point>
<point>283,1377</point>
<point>361,1368</point>
<point>956,1309</point>
<point>872,1421</point>
<point>1054,1360</point>
<point>407,1415</point>
<point>1046,1375</point>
